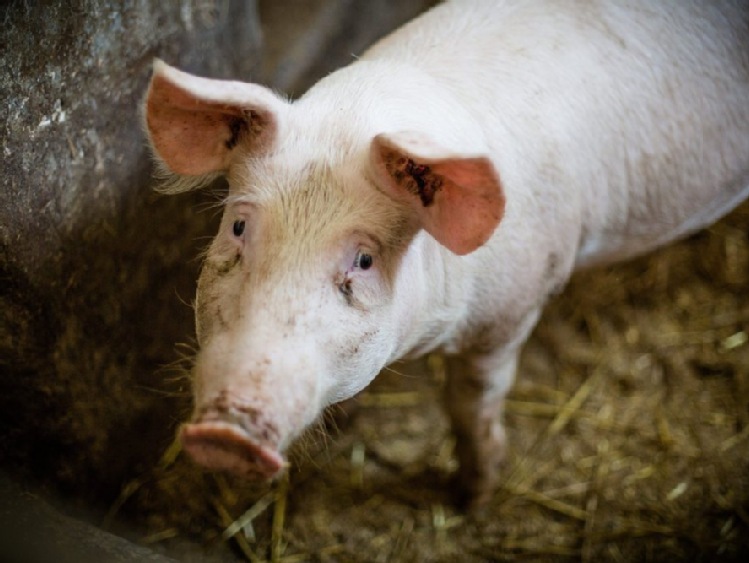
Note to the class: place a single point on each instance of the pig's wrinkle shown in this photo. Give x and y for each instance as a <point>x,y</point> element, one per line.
<point>224,267</point>
<point>346,290</point>
<point>345,285</point>
<point>250,419</point>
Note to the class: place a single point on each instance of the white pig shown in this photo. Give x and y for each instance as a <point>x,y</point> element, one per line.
<point>434,193</point>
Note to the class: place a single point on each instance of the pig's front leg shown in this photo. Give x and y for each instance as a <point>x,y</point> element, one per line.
<point>474,395</point>
<point>477,382</point>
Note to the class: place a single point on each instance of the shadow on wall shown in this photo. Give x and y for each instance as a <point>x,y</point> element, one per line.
<point>97,271</point>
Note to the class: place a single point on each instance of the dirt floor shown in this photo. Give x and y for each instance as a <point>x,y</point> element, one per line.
<point>628,429</point>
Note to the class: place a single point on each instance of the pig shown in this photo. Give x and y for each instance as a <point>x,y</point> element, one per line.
<point>433,194</point>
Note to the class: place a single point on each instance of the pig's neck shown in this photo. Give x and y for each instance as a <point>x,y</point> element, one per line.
<point>431,299</point>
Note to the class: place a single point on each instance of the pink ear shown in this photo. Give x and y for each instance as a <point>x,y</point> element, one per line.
<point>195,123</point>
<point>457,198</point>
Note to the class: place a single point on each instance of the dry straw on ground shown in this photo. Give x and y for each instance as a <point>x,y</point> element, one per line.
<point>628,442</point>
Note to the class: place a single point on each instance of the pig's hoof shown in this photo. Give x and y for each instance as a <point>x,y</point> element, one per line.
<point>471,496</point>
<point>223,446</point>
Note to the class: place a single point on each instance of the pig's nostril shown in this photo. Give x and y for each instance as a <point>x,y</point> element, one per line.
<point>226,447</point>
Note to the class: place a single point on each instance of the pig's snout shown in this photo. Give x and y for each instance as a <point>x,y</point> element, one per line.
<point>233,438</point>
<point>224,446</point>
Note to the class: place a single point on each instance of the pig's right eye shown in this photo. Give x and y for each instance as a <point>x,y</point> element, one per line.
<point>238,228</point>
<point>363,261</point>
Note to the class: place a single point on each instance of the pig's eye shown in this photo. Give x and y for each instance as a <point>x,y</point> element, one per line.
<point>238,228</point>
<point>363,261</point>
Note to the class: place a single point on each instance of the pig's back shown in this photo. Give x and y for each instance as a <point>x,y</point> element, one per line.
<point>636,113</point>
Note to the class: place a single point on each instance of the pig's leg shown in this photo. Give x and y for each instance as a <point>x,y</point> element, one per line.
<point>474,399</point>
<point>477,383</point>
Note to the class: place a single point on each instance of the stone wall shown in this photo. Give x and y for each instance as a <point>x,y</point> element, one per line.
<point>92,263</point>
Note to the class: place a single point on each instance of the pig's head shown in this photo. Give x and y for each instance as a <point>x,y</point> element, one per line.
<point>306,293</point>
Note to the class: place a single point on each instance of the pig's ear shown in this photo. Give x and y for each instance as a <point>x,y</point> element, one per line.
<point>195,124</point>
<point>457,198</point>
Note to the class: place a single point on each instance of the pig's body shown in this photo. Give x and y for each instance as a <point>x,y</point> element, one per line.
<point>587,131</point>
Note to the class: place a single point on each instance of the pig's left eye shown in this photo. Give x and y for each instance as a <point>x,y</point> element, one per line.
<point>238,228</point>
<point>363,261</point>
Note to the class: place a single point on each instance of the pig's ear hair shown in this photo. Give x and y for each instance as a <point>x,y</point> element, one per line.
<point>458,199</point>
<point>195,124</point>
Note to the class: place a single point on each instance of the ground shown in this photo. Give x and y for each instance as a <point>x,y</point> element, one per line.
<point>628,441</point>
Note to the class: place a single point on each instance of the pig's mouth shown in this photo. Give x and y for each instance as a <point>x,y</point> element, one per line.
<point>225,446</point>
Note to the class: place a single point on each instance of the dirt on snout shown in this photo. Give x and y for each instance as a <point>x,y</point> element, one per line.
<point>628,430</point>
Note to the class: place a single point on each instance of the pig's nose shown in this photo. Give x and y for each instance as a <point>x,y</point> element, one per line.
<point>225,446</point>
<point>230,435</point>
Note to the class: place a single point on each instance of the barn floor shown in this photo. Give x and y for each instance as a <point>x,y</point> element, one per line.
<point>628,429</point>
